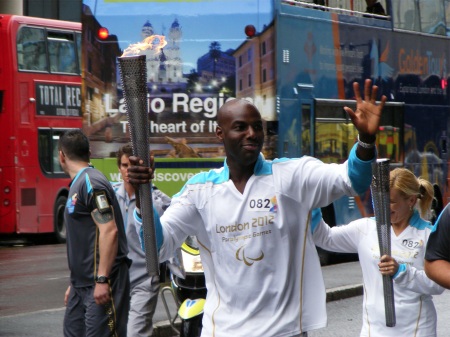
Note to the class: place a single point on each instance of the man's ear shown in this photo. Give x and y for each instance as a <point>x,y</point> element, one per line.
<point>219,133</point>
<point>62,157</point>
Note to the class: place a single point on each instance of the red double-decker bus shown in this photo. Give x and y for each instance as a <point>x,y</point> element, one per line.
<point>40,97</point>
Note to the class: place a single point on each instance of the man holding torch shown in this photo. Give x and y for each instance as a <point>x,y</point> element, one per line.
<point>250,217</point>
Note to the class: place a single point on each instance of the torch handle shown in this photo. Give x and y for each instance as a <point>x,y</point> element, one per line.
<point>389,305</point>
<point>381,203</point>
<point>133,74</point>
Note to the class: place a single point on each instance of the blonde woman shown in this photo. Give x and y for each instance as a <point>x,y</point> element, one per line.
<point>410,202</point>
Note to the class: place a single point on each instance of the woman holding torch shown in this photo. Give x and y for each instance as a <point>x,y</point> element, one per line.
<point>410,202</point>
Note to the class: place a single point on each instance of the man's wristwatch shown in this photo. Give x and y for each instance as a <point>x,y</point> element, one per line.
<point>101,279</point>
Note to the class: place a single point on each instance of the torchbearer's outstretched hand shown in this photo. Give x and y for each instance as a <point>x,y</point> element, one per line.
<point>366,117</point>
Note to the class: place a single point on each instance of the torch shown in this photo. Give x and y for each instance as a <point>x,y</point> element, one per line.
<point>133,74</point>
<point>380,197</point>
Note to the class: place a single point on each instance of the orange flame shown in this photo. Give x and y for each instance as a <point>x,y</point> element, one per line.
<point>153,42</point>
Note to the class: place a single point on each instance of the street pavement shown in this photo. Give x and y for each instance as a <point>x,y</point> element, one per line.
<point>45,320</point>
<point>41,316</point>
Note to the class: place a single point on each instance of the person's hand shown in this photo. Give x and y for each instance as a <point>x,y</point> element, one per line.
<point>367,115</point>
<point>138,173</point>
<point>101,293</point>
<point>388,265</point>
<point>66,296</point>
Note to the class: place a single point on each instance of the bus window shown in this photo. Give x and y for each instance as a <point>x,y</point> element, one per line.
<point>447,15</point>
<point>44,150</point>
<point>78,42</point>
<point>406,15</point>
<point>55,153</point>
<point>31,49</point>
<point>306,129</point>
<point>48,151</point>
<point>432,17</point>
<point>333,133</point>
<point>390,134</point>
<point>62,53</point>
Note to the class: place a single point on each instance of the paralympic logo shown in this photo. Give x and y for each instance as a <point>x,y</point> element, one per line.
<point>249,261</point>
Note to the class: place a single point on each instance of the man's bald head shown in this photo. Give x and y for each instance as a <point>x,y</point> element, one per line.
<point>240,129</point>
<point>231,108</point>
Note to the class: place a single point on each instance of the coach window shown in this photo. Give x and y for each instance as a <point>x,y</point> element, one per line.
<point>31,51</point>
<point>334,133</point>
<point>78,39</point>
<point>406,15</point>
<point>391,133</point>
<point>44,150</point>
<point>447,15</point>
<point>55,151</point>
<point>48,151</point>
<point>62,52</point>
<point>432,17</point>
<point>306,130</point>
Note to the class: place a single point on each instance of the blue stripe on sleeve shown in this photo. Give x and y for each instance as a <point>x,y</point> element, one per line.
<point>359,171</point>
<point>217,176</point>
<point>138,219</point>
<point>158,229</point>
<point>316,216</point>
<point>263,167</point>
<point>401,269</point>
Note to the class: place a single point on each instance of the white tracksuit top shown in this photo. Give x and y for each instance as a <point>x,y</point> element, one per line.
<point>261,266</point>
<point>413,290</point>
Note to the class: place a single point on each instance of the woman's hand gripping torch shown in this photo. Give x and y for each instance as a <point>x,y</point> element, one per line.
<point>381,203</point>
<point>133,74</point>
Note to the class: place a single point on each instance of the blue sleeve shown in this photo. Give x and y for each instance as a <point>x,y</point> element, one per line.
<point>401,269</point>
<point>359,171</point>
<point>316,216</point>
<point>158,229</point>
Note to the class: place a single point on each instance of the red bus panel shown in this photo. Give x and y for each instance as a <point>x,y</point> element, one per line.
<point>40,97</point>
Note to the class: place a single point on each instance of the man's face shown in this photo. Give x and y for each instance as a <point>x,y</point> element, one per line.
<point>124,164</point>
<point>241,131</point>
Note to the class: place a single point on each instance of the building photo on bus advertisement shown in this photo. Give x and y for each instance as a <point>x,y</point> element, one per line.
<point>191,52</point>
<point>246,52</point>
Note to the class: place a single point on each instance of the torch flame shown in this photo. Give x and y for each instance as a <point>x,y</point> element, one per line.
<point>153,42</point>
